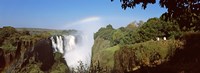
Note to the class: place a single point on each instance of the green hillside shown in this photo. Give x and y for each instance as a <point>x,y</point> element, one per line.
<point>137,49</point>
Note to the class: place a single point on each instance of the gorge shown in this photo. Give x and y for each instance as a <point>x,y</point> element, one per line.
<point>122,50</point>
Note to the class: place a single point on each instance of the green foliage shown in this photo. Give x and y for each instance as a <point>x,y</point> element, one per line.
<point>9,41</point>
<point>17,43</point>
<point>126,35</point>
<point>58,56</point>
<point>133,3</point>
<point>25,32</point>
<point>97,68</point>
<point>151,53</point>
<point>109,26</point>
<point>100,44</point>
<point>131,34</point>
<point>61,32</point>
<point>34,68</point>
<point>99,52</point>
<point>8,47</point>
<point>108,56</point>
<point>130,37</point>
<point>117,36</point>
<point>59,68</point>
<point>6,33</point>
<point>30,68</point>
<point>155,27</point>
<point>137,43</point>
<point>131,26</point>
<point>185,12</point>
<point>42,35</point>
<point>105,33</point>
<point>148,51</point>
<point>105,58</point>
<point>8,36</point>
<point>68,31</point>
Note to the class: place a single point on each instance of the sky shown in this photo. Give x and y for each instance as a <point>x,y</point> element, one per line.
<point>72,14</point>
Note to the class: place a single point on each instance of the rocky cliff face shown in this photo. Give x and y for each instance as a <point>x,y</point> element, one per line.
<point>2,59</point>
<point>44,54</point>
<point>9,58</point>
<point>102,56</point>
<point>29,56</point>
<point>25,52</point>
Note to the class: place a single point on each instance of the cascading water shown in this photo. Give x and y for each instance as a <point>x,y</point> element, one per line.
<point>74,48</point>
<point>58,44</point>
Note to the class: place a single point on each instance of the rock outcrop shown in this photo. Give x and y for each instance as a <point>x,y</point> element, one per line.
<point>2,60</point>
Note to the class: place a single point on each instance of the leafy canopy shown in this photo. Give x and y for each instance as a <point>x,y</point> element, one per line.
<point>185,12</point>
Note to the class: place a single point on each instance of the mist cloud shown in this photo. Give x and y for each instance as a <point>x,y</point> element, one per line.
<point>88,26</point>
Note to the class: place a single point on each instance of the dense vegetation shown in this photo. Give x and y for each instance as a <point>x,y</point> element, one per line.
<point>26,50</point>
<point>146,54</point>
<point>131,34</point>
<point>135,48</point>
<point>185,12</point>
<point>131,49</point>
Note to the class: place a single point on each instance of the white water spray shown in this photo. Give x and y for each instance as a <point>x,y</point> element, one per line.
<point>75,48</point>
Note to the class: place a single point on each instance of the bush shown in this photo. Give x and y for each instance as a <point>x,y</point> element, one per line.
<point>105,33</point>
<point>8,47</point>
<point>150,53</point>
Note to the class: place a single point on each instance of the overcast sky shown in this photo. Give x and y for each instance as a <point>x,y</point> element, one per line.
<point>71,14</point>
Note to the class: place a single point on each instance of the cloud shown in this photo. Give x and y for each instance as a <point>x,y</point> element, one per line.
<point>83,52</point>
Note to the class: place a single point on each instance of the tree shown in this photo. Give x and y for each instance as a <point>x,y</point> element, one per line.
<point>185,12</point>
<point>117,36</point>
<point>131,25</point>
<point>105,32</point>
<point>156,27</point>
<point>6,33</point>
<point>25,32</point>
<point>140,23</point>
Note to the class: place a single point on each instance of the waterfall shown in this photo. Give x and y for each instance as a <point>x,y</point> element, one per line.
<point>69,43</point>
<point>74,48</point>
<point>57,44</point>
